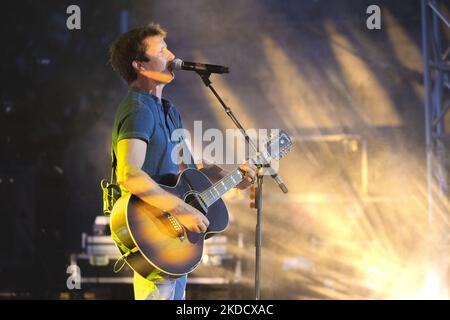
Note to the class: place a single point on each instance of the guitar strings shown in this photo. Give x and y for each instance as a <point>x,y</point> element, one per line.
<point>225,180</point>
<point>207,197</point>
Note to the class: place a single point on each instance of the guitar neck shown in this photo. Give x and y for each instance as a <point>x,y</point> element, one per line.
<point>216,191</point>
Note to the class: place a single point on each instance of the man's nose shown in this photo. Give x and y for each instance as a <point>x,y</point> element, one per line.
<point>170,55</point>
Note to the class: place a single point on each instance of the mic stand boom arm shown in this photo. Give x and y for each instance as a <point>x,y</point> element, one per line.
<point>262,163</point>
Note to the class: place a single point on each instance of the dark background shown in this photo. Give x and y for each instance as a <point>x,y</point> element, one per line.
<point>58,95</point>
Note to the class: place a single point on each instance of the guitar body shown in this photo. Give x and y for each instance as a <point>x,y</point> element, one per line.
<point>152,239</point>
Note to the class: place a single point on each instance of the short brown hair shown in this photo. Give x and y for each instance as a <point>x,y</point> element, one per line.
<point>129,46</point>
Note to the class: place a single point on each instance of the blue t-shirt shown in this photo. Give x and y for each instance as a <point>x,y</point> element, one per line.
<point>140,115</point>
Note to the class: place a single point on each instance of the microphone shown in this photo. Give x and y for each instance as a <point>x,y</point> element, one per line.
<point>178,64</point>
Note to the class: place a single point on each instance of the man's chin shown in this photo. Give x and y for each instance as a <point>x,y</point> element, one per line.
<point>171,74</point>
<point>164,77</point>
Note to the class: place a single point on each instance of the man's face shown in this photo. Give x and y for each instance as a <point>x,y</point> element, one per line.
<point>159,57</point>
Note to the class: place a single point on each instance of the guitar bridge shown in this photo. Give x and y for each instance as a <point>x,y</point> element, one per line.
<point>175,226</point>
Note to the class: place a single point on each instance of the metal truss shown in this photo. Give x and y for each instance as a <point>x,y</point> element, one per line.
<point>436,62</point>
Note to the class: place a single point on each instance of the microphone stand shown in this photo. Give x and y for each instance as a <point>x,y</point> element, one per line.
<point>262,163</point>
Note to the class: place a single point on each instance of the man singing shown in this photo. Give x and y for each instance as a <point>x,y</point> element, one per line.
<point>142,144</point>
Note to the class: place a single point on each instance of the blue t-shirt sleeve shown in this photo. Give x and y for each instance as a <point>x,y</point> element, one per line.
<point>139,124</point>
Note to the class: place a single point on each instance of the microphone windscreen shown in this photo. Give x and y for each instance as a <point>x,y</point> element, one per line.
<point>175,64</point>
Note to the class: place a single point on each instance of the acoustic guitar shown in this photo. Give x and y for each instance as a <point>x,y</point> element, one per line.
<point>149,238</point>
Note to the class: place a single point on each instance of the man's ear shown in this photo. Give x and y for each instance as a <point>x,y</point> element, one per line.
<point>137,65</point>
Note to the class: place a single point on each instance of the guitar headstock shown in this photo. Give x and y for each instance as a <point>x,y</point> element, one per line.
<point>279,145</point>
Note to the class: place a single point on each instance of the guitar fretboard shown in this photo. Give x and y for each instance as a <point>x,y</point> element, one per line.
<point>215,192</point>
